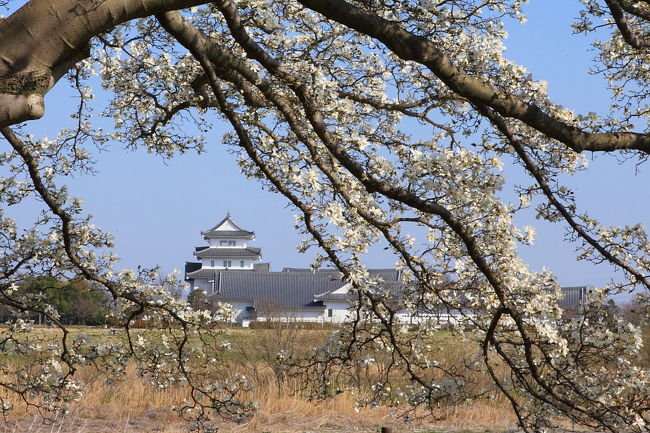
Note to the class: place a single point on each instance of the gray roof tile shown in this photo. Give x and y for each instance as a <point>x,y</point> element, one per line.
<point>573,297</point>
<point>385,274</point>
<point>395,288</point>
<point>192,266</point>
<point>305,290</point>
<point>218,253</point>
<point>201,274</point>
<point>273,290</point>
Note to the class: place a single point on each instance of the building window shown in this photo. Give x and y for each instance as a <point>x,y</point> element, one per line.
<point>223,243</point>
<point>212,263</point>
<point>329,312</point>
<point>227,263</point>
<point>241,264</point>
<point>231,243</point>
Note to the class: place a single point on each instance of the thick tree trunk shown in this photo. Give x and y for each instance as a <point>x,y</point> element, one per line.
<point>44,38</point>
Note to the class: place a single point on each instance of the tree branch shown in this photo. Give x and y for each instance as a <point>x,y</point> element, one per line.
<point>616,9</point>
<point>409,46</point>
<point>47,37</point>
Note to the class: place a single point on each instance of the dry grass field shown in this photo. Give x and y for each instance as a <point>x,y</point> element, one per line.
<point>135,405</point>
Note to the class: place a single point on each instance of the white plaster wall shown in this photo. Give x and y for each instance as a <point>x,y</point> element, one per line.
<point>218,264</point>
<point>239,311</point>
<point>239,243</point>
<point>227,226</point>
<point>292,315</point>
<point>203,285</point>
<point>248,264</point>
<point>339,311</point>
<point>442,318</point>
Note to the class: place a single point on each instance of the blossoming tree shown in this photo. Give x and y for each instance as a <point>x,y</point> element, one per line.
<point>318,93</point>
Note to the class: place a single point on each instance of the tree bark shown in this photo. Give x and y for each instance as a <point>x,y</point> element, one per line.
<point>44,38</point>
<point>409,46</point>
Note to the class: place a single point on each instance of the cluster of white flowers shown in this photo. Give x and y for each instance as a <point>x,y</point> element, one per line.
<point>366,146</point>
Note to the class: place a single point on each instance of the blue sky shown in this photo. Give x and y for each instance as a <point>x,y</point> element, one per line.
<point>615,193</point>
<point>156,209</point>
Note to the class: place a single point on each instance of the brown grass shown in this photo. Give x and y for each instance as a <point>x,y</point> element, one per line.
<point>134,405</point>
<point>293,414</point>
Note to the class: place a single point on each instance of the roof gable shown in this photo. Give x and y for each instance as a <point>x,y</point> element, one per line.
<point>227,228</point>
<point>192,267</point>
<point>343,290</point>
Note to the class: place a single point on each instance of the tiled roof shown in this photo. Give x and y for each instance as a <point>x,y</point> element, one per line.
<point>385,274</point>
<point>304,290</point>
<point>394,287</point>
<point>200,274</point>
<point>239,233</point>
<point>192,266</point>
<point>334,297</point>
<point>226,253</point>
<point>573,297</point>
<point>273,290</point>
<point>232,234</point>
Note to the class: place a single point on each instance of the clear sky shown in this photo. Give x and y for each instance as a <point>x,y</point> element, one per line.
<point>156,209</point>
<point>613,192</point>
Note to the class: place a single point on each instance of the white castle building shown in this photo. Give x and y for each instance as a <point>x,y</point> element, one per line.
<point>230,271</point>
<point>227,249</point>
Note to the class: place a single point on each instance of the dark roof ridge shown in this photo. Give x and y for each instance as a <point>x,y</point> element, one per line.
<point>231,248</point>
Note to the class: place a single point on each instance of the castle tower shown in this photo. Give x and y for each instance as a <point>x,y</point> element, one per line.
<point>227,249</point>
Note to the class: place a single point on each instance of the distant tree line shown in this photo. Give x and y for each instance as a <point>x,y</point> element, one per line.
<point>77,301</point>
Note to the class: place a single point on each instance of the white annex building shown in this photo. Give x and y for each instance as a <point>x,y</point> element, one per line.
<point>230,271</point>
